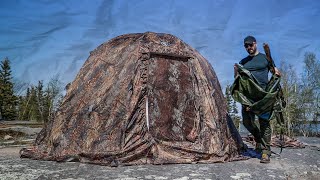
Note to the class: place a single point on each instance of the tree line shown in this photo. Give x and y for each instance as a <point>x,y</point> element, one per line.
<point>21,101</point>
<point>302,96</point>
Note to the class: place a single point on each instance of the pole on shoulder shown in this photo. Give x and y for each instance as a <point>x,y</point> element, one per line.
<point>269,58</point>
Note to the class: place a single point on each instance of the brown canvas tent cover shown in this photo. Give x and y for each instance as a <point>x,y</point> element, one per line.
<point>145,98</point>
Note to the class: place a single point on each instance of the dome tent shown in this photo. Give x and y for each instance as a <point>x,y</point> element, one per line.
<point>145,98</point>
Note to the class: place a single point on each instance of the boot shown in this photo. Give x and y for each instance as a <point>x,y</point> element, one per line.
<point>265,158</point>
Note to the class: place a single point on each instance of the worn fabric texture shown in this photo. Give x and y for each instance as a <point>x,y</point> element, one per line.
<point>145,98</point>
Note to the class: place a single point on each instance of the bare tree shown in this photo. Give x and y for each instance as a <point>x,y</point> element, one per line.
<point>290,82</point>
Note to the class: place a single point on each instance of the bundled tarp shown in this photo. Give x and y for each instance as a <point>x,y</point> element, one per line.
<point>145,98</point>
<point>247,91</point>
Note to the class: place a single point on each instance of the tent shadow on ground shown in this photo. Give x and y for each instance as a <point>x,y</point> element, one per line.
<point>250,152</point>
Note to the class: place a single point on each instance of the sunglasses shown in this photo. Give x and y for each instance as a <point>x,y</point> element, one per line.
<point>247,45</point>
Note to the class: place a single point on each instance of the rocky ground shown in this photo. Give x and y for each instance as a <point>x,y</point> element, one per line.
<point>291,164</point>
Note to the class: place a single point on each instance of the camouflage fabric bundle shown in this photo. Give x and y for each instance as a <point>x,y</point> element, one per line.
<point>247,91</point>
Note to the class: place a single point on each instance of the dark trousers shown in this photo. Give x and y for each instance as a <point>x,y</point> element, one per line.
<point>261,135</point>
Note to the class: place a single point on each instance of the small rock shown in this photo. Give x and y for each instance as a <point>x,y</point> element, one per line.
<point>114,163</point>
<point>241,176</point>
<point>7,137</point>
<point>182,178</point>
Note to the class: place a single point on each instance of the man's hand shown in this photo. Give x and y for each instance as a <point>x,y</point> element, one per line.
<point>235,67</point>
<point>277,72</point>
<point>248,108</point>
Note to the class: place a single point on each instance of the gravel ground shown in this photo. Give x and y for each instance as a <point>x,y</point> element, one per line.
<point>292,164</point>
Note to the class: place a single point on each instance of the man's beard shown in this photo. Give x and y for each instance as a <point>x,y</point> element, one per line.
<point>252,51</point>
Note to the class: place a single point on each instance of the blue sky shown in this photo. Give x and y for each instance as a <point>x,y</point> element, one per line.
<point>43,38</point>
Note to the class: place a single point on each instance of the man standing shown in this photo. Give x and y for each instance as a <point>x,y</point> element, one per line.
<point>259,67</point>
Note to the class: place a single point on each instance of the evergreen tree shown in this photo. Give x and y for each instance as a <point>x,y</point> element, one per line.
<point>229,100</point>
<point>33,105</point>
<point>236,117</point>
<point>29,105</point>
<point>232,108</point>
<point>25,105</point>
<point>40,101</point>
<point>8,101</point>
